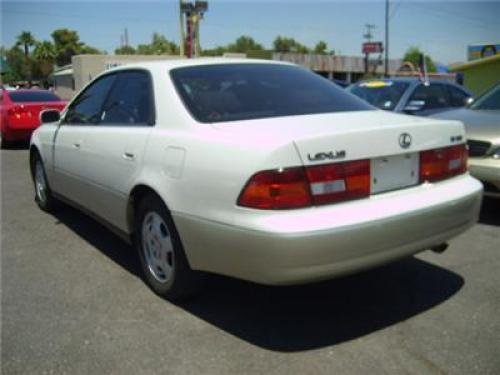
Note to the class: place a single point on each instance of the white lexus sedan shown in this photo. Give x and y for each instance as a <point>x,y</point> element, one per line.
<point>258,170</point>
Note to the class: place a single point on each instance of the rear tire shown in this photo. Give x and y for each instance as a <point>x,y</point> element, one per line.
<point>3,143</point>
<point>163,261</point>
<point>43,194</point>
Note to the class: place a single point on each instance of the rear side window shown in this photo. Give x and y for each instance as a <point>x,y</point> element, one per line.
<point>87,107</point>
<point>457,97</point>
<point>33,96</point>
<point>130,101</point>
<point>434,96</point>
<point>382,94</point>
<point>231,92</point>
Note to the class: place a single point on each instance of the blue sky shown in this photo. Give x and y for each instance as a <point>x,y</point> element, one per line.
<point>443,29</point>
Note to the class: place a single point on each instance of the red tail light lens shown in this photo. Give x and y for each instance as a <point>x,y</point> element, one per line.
<point>277,189</point>
<point>442,163</point>
<point>341,181</point>
<point>329,183</point>
<point>302,187</point>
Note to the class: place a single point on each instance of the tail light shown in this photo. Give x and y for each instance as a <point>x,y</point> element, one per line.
<point>341,181</point>
<point>302,187</point>
<point>277,189</point>
<point>17,112</point>
<point>321,184</point>
<point>441,163</point>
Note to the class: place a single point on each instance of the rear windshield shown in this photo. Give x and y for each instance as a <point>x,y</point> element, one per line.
<point>231,92</point>
<point>381,94</point>
<point>33,96</point>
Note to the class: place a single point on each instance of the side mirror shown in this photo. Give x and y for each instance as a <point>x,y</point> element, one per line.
<point>414,106</point>
<point>49,115</point>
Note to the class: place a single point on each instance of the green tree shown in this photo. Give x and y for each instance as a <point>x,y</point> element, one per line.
<point>217,51</point>
<point>89,50</point>
<point>413,55</point>
<point>284,44</point>
<point>244,44</point>
<point>16,61</point>
<point>125,50</point>
<point>26,40</point>
<point>159,46</point>
<point>67,44</point>
<point>44,57</point>
<point>320,48</point>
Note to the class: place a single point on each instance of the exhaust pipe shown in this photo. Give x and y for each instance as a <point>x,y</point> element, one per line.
<point>441,248</point>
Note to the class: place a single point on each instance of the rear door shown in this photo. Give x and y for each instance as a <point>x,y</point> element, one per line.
<point>115,147</point>
<point>434,96</point>
<point>458,97</point>
<point>70,141</point>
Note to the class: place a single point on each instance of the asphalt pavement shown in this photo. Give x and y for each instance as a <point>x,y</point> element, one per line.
<point>73,302</point>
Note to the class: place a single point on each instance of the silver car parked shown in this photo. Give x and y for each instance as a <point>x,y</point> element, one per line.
<point>482,126</point>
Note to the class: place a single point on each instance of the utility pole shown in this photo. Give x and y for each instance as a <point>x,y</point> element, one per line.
<point>368,36</point>
<point>126,37</point>
<point>386,49</point>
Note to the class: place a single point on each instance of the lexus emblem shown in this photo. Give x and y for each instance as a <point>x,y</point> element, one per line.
<point>405,140</point>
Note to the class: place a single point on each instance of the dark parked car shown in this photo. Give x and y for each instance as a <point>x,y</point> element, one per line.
<point>410,95</point>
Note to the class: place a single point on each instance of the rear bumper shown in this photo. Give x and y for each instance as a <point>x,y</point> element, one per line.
<point>488,171</point>
<point>367,233</point>
<point>13,135</point>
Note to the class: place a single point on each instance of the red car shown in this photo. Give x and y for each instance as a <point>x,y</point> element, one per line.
<point>20,112</point>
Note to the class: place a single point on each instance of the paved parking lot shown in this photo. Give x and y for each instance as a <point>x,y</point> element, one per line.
<point>72,302</point>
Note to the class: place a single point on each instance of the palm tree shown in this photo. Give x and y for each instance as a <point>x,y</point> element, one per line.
<point>26,39</point>
<point>45,55</point>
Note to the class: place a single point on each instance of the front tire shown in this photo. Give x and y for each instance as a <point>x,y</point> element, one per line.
<point>163,261</point>
<point>43,195</point>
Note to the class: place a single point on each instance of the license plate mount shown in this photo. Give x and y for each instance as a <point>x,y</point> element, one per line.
<point>394,172</point>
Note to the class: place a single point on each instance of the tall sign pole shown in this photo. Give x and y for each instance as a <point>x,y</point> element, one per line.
<point>182,35</point>
<point>386,63</point>
<point>192,13</point>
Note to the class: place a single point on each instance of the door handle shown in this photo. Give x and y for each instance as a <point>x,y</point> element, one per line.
<point>128,156</point>
<point>76,145</point>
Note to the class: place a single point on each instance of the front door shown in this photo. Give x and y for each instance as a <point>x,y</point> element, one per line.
<point>70,140</point>
<point>114,148</point>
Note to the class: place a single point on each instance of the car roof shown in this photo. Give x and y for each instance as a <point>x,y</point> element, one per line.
<point>170,64</point>
<point>406,79</point>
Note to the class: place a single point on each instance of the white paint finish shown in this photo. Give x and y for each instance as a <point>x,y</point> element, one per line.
<point>112,159</point>
<point>68,162</point>
<point>199,170</point>
<point>174,161</point>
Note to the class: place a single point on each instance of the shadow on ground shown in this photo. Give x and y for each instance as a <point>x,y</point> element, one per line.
<point>490,211</point>
<point>298,318</point>
<point>16,146</point>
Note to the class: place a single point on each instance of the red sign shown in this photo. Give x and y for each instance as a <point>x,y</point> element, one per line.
<point>373,47</point>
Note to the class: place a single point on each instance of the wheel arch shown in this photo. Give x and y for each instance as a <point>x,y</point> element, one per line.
<point>34,151</point>
<point>137,193</point>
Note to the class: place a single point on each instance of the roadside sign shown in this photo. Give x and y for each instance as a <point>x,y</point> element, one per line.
<point>373,47</point>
